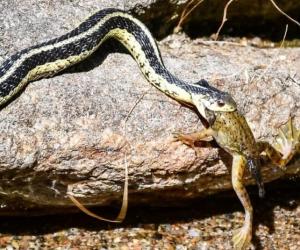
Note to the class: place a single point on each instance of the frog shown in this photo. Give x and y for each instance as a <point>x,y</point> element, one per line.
<point>232,133</point>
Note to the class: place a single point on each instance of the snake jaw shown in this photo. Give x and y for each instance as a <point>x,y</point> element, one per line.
<point>222,102</point>
<point>219,102</point>
<point>201,108</point>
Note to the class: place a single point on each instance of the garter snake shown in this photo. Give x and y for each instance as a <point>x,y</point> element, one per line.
<point>48,58</point>
<point>229,128</point>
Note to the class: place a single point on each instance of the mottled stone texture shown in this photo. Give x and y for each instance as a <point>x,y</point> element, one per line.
<point>70,129</point>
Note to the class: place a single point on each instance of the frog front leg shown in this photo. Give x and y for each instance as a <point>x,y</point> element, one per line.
<point>191,138</point>
<point>286,146</point>
<point>242,237</point>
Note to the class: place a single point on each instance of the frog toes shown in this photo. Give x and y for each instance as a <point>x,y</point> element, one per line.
<point>288,140</point>
<point>184,138</point>
<point>242,238</point>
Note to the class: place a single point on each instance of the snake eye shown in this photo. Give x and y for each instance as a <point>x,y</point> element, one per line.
<point>221,103</point>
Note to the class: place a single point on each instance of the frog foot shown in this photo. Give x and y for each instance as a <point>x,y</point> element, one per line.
<point>242,238</point>
<point>287,142</point>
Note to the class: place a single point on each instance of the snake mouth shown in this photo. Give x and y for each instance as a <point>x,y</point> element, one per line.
<point>254,168</point>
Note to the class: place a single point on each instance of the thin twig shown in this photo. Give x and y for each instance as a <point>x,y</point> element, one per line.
<point>123,211</point>
<point>178,27</point>
<point>134,106</point>
<point>283,13</point>
<point>224,18</point>
<point>190,11</point>
<point>90,213</point>
<point>284,36</point>
<point>185,10</point>
<point>221,43</point>
<point>185,14</point>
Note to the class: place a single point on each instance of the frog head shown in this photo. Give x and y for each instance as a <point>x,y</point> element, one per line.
<point>206,97</point>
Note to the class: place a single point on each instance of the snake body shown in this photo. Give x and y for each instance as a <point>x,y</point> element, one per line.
<point>49,58</point>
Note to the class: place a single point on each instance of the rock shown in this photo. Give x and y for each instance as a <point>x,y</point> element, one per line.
<point>67,133</point>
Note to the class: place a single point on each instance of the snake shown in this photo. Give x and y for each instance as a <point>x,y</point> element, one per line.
<point>46,59</point>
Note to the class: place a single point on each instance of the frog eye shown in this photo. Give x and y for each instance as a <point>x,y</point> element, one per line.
<point>220,103</point>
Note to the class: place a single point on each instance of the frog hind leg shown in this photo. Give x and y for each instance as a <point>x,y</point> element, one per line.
<point>242,237</point>
<point>287,142</point>
<point>286,146</point>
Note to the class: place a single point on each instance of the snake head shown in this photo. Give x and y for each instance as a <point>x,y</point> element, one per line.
<point>207,97</point>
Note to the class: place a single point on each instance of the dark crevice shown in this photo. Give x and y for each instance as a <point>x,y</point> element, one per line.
<point>141,215</point>
<point>245,18</point>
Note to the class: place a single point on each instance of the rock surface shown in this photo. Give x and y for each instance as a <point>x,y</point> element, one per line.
<point>70,130</point>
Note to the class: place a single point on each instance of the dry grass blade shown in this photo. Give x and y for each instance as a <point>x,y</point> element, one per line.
<point>284,35</point>
<point>185,13</point>
<point>123,211</point>
<point>283,13</point>
<point>133,107</point>
<point>224,19</point>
